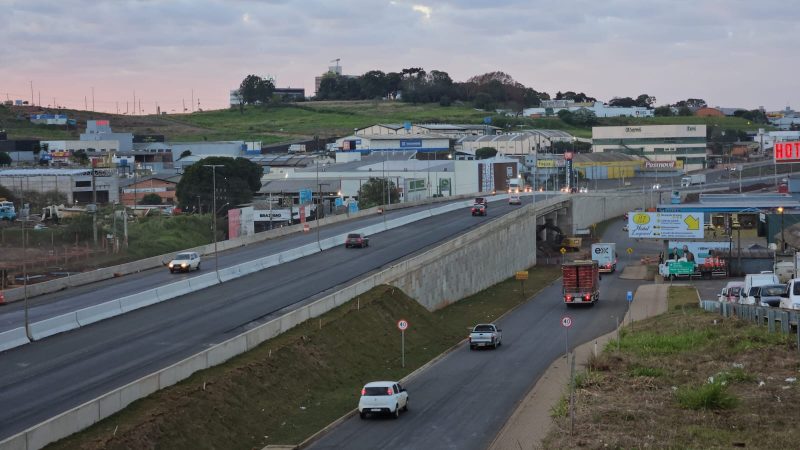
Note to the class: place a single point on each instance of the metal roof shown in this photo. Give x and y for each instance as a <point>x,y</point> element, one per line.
<point>44,172</point>
<point>394,137</point>
<point>295,185</point>
<point>605,157</point>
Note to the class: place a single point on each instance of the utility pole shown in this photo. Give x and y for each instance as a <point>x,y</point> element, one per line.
<point>214,212</point>
<point>25,265</point>
<point>94,203</point>
<point>93,99</point>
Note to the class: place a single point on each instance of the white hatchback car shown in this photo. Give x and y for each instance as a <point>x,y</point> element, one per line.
<point>184,262</point>
<point>382,397</point>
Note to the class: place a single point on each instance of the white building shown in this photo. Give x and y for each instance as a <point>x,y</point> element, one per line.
<point>686,143</point>
<point>514,144</point>
<point>87,146</point>
<point>424,143</point>
<point>599,109</point>
<point>444,129</point>
<point>769,138</point>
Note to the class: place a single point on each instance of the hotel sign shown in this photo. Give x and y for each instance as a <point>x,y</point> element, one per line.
<point>787,152</point>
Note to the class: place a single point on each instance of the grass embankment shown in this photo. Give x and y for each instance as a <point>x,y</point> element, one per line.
<point>293,385</point>
<point>682,380</point>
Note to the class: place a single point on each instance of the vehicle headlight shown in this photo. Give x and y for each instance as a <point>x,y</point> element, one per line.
<point>170,265</point>
<point>184,265</point>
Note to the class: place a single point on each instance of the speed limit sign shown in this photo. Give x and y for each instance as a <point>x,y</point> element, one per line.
<point>402,325</point>
<point>566,321</point>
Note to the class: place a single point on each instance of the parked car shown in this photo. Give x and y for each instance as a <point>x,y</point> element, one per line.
<point>791,298</point>
<point>752,281</point>
<point>478,209</point>
<point>356,240</point>
<point>769,295</point>
<point>730,293</point>
<point>485,335</point>
<point>382,397</point>
<point>184,262</point>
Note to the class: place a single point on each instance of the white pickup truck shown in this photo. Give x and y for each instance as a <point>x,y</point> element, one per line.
<point>485,335</point>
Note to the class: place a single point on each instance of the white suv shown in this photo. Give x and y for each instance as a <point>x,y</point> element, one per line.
<point>184,262</point>
<point>382,397</point>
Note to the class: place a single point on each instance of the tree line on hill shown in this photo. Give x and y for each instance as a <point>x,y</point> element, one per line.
<point>488,91</point>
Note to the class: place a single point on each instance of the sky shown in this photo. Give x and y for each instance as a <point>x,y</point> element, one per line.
<point>189,53</point>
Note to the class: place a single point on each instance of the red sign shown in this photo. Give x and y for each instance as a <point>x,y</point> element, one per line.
<point>787,151</point>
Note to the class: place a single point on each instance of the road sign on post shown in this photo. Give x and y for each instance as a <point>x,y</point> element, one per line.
<point>402,325</point>
<point>629,297</point>
<point>566,322</point>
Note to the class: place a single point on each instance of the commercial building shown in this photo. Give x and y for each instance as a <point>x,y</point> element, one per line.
<point>394,143</point>
<point>133,193</point>
<point>78,185</point>
<point>444,129</point>
<point>677,143</point>
<point>600,109</point>
<point>100,130</point>
<point>514,144</point>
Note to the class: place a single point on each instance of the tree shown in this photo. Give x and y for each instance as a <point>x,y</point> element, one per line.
<point>151,199</point>
<point>255,89</point>
<point>373,84</point>
<point>5,159</point>
<point>237,180</point>
<point>625,102</point>
<point>485,153</point>
<point>645,101</point>
<point>374,192</point>
<point>484,101</point>
<point>691,103</point>
<point>684,111</point>
<point>80,157</point>
<point>663,111</point>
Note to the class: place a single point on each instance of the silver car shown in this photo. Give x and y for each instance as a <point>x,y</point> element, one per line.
<point>184,262</point>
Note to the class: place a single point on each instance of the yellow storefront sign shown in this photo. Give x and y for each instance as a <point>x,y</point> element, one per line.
<point>546,163</point>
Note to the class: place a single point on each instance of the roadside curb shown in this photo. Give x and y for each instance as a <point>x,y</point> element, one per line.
<point>316,436</point>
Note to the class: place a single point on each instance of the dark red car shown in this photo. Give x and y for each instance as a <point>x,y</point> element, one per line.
<point>356,240</point>
<point>478,209</point>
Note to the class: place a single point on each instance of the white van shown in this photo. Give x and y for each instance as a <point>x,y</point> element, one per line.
<point>752,281</point>
<point>791,299</point>
<point>784,270</point>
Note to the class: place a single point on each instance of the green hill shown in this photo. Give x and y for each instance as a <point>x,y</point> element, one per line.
<point>289,122</point>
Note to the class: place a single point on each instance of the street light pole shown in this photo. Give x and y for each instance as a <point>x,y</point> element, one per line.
<point>214,212</point>
<point>783,237</point>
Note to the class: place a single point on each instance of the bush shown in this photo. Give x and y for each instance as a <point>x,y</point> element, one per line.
<point>713,395</point>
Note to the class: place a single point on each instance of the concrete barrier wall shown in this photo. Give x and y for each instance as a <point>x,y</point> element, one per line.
<point>418,273</point>
<point>13,338</point>
<point>99,312</point>
<point>58,324</point>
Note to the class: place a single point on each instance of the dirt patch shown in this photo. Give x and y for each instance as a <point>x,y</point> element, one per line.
<point>687,379</point>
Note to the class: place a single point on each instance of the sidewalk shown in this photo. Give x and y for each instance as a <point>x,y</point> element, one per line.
<point>531,421</point>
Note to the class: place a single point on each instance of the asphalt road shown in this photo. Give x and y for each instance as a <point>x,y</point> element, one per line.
<point>42,379</point>
<point>464,400</point>
<point>51,305</point>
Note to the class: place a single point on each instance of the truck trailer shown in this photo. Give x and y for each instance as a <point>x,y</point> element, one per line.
<point>692,180</point>
<point>581,282</point>
<point>605,253</point>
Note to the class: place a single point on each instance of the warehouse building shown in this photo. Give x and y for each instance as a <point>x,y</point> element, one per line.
<point>77,184</point>
<point>423,143</point>
<point>444,129</point>
<point>514,144</point>
<point>685,145</point>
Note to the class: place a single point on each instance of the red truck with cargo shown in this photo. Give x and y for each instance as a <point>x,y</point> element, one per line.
<point>581,281</point>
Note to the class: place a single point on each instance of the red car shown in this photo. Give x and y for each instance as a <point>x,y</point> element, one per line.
<point>478,209</point>
<point>356,240</point>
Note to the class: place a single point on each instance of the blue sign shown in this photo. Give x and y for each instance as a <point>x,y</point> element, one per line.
<point>630,296</point>
<point>410,143</point>
<point>353,207</point>
<point>407,125</point>
<point>305,196</point>
<point>487,120</point>
<point>338,201</point>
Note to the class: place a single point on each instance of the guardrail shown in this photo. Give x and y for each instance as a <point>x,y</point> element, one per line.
<point>82,317</point>
<point>93,411</point>
<point>773,318</point>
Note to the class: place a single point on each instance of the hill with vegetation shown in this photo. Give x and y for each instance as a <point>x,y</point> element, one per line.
<point>298,121</point>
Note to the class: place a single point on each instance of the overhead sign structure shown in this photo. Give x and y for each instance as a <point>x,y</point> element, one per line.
<point>665,225</point>
<point>787,152</point>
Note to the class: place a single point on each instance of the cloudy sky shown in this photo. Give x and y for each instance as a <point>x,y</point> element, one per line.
<point>734,53</point>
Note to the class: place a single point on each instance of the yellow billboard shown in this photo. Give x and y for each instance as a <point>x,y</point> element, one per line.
<point>546,163</point>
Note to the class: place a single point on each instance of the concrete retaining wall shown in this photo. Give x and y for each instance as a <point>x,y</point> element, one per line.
<point>421,271</point>
<point>591,208</point>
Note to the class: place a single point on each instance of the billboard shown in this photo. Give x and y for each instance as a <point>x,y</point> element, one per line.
<point>700,250</point>
<point>410,143</point>
<point>787,152</point>
<point>672,225</point>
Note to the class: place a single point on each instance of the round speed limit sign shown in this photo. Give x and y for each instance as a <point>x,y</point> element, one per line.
<point>566,321</point>
<point>402,325</point>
